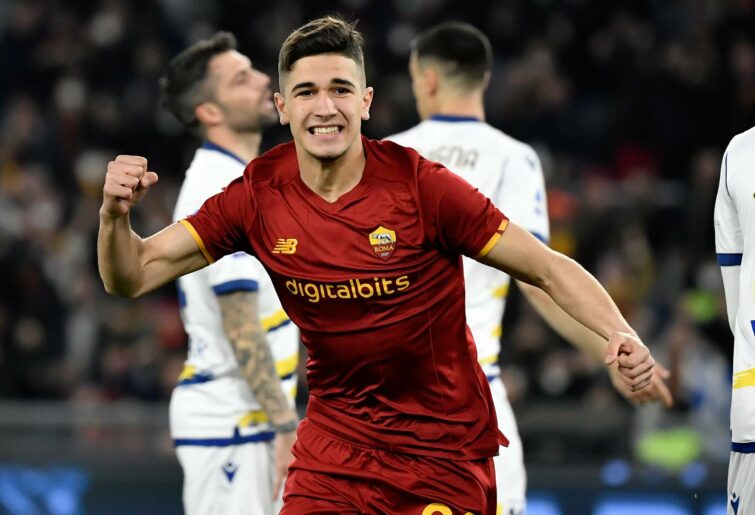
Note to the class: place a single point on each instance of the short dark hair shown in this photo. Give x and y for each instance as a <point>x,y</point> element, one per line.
<point>464,49</point>
<point>183,85</point>
<point>326,35</point>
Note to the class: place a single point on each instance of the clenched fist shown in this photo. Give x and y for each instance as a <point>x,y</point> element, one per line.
<point>126,182</point>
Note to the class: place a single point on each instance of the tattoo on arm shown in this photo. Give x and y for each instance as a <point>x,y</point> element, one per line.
<point>243,328</point>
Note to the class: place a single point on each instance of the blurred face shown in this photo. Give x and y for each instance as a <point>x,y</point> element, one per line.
<point>324,99</point>
<point>241,94</point>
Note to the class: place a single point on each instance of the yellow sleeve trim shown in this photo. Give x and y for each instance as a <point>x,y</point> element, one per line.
<point>274,321</point>
<point>493,240</point>
<point>487,360</point>
<point>287,366</point>
<point>198,239</point>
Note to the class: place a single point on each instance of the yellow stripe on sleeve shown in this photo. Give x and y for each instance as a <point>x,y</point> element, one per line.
<point>273,321</point>
<point>287,366</point>
<point>493,240</point>
<point>501,291</point>
<point>744,379</point>
<point>187,373</point>
<point>252,418</point>
<point>198,239</point>
<point>487,360</point>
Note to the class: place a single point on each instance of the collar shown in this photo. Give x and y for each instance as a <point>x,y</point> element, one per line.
<point>209,145</point>
<point>453,118</point>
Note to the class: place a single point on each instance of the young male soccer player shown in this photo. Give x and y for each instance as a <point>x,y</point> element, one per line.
<point>450,68</point>
<point>735,245</point>
<point>229,405</point>
<point>363,241</point>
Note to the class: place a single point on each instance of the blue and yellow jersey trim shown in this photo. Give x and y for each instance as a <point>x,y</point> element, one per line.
<point>493,239</point>
<point>275,321</point>
<point>190,375</point>
<point>198,239</point>
<point>285,368</point>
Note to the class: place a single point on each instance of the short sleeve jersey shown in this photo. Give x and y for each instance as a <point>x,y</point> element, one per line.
<point>508,172</point>
<point>374,281</point>
<point>734,222</point>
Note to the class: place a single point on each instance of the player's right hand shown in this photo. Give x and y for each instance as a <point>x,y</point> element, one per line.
<point>126,182</point>
<point>283,457</point>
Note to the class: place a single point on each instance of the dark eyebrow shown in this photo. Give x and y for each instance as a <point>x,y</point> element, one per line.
<point>344,82</point>
<point>303,85</point>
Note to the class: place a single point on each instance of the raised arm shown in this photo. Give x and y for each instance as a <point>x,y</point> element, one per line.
<point>579,294</point>
<point>129,265</point>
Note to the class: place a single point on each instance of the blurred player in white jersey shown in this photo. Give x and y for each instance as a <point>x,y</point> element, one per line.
<point>734,221</point>
<point>450,69</point>
<point>231,413</point>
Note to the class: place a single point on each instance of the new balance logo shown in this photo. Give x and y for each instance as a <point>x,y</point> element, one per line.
<point>285,246</point>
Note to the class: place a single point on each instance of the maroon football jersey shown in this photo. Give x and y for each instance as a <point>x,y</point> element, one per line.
<point>374,281</point>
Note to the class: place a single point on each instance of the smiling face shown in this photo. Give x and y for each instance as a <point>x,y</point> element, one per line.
<point>324,99</point>
<point>241,93</point>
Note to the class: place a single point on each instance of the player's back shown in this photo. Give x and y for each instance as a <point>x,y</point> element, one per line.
<point>508,172</point>
<point>735,245</point>
<point>212,396</point>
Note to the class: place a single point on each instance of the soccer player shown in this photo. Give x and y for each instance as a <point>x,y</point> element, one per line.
<point>450,68</point>
<point>735,246</point>
<point>363,241</point>
<point>231,415</point>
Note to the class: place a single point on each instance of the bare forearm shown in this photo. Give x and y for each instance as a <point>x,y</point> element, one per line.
<point>256,361</point>
<point>564,324</point>
<point>581,296</point>
<point>118,255</point>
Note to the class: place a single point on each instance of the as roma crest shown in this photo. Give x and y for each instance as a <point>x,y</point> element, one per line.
<point>383,242</point>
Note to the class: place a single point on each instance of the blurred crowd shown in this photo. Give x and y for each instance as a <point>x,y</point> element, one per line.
<point>629,105</point>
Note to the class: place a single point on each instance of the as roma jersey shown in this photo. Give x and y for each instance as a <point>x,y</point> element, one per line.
<point>374,281</point>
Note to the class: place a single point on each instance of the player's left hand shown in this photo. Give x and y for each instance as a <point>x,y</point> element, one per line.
<point>634,360</point>
<point>657,391</point>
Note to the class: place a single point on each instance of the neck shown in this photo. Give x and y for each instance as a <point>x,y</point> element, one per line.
<point>469,104</point>
<point>331,179</point>
<point>245,145</point>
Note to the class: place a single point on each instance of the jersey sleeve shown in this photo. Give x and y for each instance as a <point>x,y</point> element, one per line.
<point>521,193</point>
<point>236,272</point>
<point>456,216</point>
<point>729,241</point>
<point>220,226</point>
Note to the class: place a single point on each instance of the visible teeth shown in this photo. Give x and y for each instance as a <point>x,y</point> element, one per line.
<point>326,130</point>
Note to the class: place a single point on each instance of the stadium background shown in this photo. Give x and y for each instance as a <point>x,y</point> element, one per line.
<point>629,104</point>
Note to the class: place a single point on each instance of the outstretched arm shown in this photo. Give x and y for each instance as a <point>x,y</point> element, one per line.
<point>594,345</point>
<point>129,265</point>
<point>579,294</point>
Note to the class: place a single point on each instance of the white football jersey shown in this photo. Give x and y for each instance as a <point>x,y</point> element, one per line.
<point>735,248</point>
<point>212,402</point>
<point>506,171</point>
